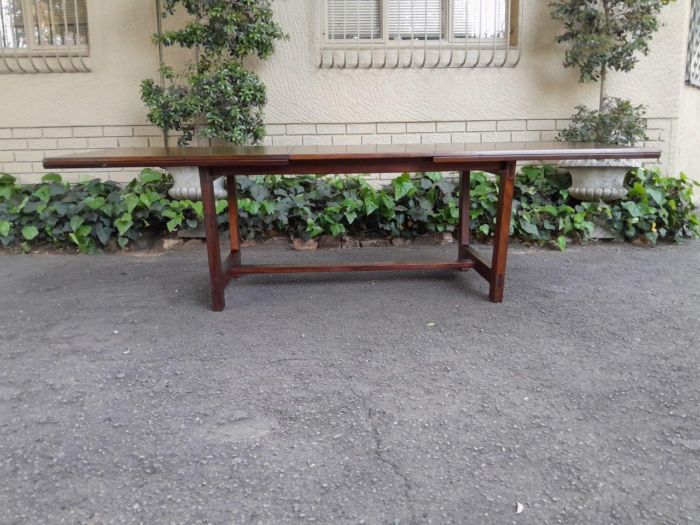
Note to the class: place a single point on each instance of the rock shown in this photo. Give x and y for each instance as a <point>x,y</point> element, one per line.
<point>328,242</point>
<point>169,244</point>
<point>277,240</point>
<point>146,242</point>
<point>349,242</point>
<point>304,246</point>
<point>248,243</point>
<point>197,233</point>
<point>424,240</point>
<point>375,243</point>
<point>401,241</point>
<point>444,238</point>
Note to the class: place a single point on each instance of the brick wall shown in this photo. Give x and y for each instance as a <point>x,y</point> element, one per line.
<point>22,149</point>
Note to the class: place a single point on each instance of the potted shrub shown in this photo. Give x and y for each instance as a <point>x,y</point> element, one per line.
<point>213,96</point>
<point>604,35</point>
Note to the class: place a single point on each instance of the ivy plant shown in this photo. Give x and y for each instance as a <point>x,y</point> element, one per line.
<point>214,96</point>
<point>96,215</point>
<point>604,35</point>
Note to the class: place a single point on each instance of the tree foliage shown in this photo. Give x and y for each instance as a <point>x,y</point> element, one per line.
<point>619,122</point>
<point>606,34</point>
<point>215,94</point>
<point>602,35</point>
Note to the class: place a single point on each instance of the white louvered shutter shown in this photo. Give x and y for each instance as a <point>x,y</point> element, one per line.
<point>481,18</point>
<point>353,19</point>
<point>418,19</point>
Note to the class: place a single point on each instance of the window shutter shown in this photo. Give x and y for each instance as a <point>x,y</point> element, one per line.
<point>481,18</point>
<point>419,19</point>
<point>352,19</point>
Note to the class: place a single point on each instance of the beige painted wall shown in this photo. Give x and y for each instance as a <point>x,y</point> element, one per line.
<point>689,132</point>
<point>121,55</point>
<point>539,88</point>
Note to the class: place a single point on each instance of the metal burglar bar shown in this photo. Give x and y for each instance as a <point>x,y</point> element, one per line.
<point>420,33</point>
<point>693,66</point>
<point>43,36</point>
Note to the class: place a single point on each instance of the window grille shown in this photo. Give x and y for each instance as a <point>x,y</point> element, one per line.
<point>420,33</point>
<point>43,36</point>
<point>693,66</point>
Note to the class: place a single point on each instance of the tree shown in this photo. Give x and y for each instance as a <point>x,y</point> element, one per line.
<point>604,35</point>
<point>215,95</point>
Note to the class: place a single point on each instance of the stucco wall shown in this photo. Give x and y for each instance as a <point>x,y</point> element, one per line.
<point>307,102</point>
<point>689,132</point>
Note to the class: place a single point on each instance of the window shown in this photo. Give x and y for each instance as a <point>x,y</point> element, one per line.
<point>693,66</point>
<point>423,33</point>
<point>43,35</point>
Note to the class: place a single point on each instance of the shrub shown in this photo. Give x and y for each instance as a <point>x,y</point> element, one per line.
<point>96,214</point>
<point>603,35</point>
<point>214,95</point>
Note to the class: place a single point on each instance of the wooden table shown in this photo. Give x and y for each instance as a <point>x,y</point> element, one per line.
<point>230,162</point>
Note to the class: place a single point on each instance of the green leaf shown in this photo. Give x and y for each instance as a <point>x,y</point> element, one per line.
<point>95,203</point>
<point>103,233</point>
<point>530,228</point>
<point>131,202</point>
<point>337,230</point>
<point>51,177</point>
<point>43,194</point>
<point>148,176</point>
<point>124,223</point>
<point>7,180</point>
<point>76,221</point>
<point>145,200</point>
<point>632,208</point>
<point>403,186</point>
<point>5,228</point>
<point>350,216</point>
<point>221,206</point>
<point>561,242</point>
<point>173,224</point>
<point>198,208</point>
<point>371,205</point>
<point>30,232</point>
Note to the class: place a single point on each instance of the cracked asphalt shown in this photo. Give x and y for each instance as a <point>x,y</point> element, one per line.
<point>352,398</point>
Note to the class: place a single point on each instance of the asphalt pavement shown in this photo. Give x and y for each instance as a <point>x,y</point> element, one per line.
<point>352,398</point>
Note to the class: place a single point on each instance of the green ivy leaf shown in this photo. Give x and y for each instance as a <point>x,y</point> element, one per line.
<point>30,232</point>
<point>131,201</point>
<point>561,242</point>
<point>76,221</point>
<point>95,203</point>
<point>337,230</point>
<point>5,228</point>
<point>51,177</point>
<point>124,223</point>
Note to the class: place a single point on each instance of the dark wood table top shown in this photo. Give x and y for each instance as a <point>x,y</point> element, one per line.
<point>262,156</point>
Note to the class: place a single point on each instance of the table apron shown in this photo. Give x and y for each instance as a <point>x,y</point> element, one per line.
<point>355,166</point>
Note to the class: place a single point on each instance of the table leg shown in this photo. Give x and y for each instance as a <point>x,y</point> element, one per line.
<point>464,215</point>
<point>216,277</point>
<point>235,257</point>
<point>501,237</point>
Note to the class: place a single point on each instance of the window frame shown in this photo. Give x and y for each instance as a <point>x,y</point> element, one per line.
<point>446,41</point>
<point>34,49</point>
<point>692,76</point>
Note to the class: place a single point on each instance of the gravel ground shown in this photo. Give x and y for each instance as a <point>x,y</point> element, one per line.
<point>353,398</point>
